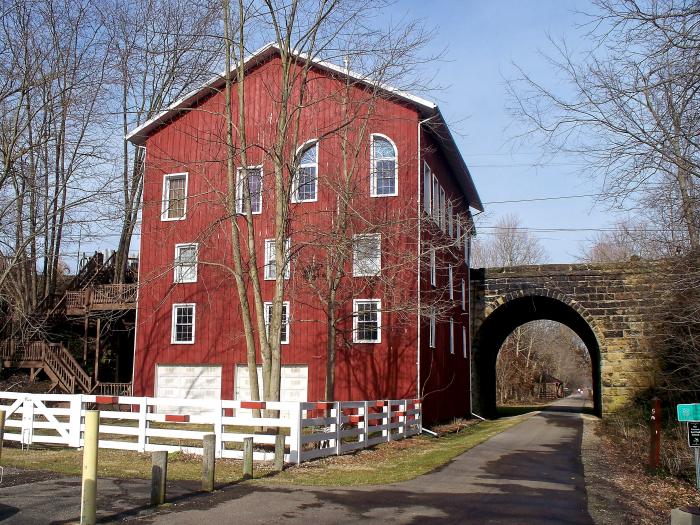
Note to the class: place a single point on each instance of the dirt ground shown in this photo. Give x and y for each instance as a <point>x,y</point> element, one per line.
<point>620,490</point>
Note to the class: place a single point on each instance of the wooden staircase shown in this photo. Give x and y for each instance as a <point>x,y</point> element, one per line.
<point>64,371</point>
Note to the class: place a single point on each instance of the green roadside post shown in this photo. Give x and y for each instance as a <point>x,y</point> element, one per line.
<point>690,415</point>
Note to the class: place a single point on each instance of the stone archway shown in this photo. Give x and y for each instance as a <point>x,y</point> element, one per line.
<point>513,311</point>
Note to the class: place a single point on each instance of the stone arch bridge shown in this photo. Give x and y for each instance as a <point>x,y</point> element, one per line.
<point>611,307</point>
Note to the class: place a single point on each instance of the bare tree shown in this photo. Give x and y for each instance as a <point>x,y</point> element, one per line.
<point>160,50</point>
<point>628,108</point>
<point>55,57</point>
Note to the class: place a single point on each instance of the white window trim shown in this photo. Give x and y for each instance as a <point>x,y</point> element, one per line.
<point>464,341</point>
<point>450,282</point>
<point>313,143</point>
<point>431,331</point>
<point>286,324</point>
<point>443,209</point>
<point>433,269</point>
<point>268,257</point>
<point>355,270</point>
<point>355,303</point>
<point>459,233</point>
<point>435,200</point>
<point>427,192</point>
<point>172,324</point>
<point>239,185</point>
<point>196,262</point>
<point>372,180</point>
<point>452,336</point>
<point>165,201</point>
<point>450,219</point>
<point>464,297</point>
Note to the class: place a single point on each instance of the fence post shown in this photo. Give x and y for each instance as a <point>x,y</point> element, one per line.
<point>338,427</point>
<point>208,461</point>
<point>2,430</point>
<point>389,418</point>
<point>159,476</point>
<point>76,406</point>
<point>143,423</point>
<point>88,512</point>
<point>247,458</point>
<point>365,431</point>
<point>295,436</point>
<point>279,451</point>
<point>218,429</point>
<point>655,434</point>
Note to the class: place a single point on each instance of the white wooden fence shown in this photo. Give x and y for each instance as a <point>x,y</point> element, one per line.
<point>147,424</point>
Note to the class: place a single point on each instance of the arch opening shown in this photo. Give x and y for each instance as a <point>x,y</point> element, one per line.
<point>505,319</point>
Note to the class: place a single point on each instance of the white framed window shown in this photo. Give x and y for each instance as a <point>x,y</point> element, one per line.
<point>174,197</point>
<point>284,330</point>
<point>459,233</point>
<point>433,269</point>
<point>435,200</point>
<point>443,209</point>
<point>254,175</point>
<point>464,341</point>
<point>449,281</point>
<point>185,266</point>
<point>452,336</point>
<point>427,182</point>
<point>431,331</point>
<point>450,219</point>
<point>467,249</point>
<point>305,182</point>
<point>183,324</point>
<point>367,321</point>
<point>464,296</point>
<point>384,167</point>
<point>270,264</point>
<point>366,254</point>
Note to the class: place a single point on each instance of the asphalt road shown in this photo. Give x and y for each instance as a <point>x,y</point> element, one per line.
<point>530,474</point>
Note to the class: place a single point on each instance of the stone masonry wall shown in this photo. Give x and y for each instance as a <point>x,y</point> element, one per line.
<point>620,302</point>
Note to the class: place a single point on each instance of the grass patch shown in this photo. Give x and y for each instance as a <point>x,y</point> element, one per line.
<point>392,462</point>
<point>385,463</point>
<point>122,464</point>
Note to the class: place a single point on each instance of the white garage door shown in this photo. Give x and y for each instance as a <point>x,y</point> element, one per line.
<point>188,382</point>
<point>294,386</point>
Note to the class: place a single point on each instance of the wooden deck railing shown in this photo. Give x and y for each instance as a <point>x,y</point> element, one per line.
<point>112,389</point>
<point>51,355</point>
<point>103,297</point>
<point>114,294</point>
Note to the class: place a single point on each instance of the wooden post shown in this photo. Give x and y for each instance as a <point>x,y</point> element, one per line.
<point>86,327</point>
<point>208,462</point>
<point>2,430</point>
<point>247,458</point>
<point>655,434</point>
<point>88,510</point>
<point>159,476</point>
<point>97,346</point>
<point>279,451</point>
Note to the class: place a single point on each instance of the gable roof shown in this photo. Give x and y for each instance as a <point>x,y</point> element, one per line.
<point>429,112</point>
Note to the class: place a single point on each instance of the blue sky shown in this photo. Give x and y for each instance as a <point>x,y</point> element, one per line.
<point>483,41</point>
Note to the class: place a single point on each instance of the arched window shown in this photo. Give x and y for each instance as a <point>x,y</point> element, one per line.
<point>384,176</point>
<point>305,183</point>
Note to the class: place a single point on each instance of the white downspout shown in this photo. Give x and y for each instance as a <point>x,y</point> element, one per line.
<point>420,251</point>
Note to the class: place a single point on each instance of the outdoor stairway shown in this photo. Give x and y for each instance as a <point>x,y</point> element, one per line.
<point>64,371</point>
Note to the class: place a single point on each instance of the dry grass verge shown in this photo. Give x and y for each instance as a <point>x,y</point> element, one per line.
<point>620,488</point>
<point>385,463</point>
